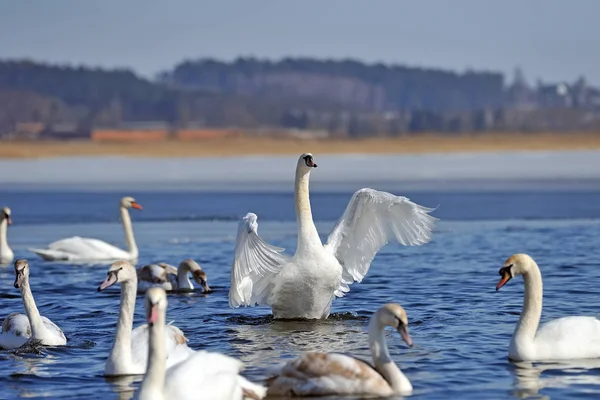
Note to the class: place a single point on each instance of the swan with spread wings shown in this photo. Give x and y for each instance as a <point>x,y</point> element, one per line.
<point>305,284</point>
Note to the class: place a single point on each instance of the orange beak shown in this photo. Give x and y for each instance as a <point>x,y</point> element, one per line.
<point>505,278</point>
<point>136,206</point>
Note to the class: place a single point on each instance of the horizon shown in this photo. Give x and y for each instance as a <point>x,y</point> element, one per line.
<point>549,40</point>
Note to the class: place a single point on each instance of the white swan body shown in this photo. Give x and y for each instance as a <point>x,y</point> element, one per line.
<point>170,278</point>
<point>85,249</point>
<point>304,286</point>
<point>129,354</point>
<point>6,253</point>
<point>560,339</point>
<point>328,374</point>
<point>18,329</point>
<point>203,375</point>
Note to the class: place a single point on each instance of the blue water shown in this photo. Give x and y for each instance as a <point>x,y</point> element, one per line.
<point>460,325</point>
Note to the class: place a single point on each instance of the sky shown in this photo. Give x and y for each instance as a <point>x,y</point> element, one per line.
<point>552,40</point>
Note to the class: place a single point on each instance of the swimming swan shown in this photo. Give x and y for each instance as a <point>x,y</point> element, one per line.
<point>560,339</point>
<point>303,286</point>
<point>327,374</point>
<point>203,375</point>
<point>18,329</point>
<point>84,249</point>
<point>170,278</point>
<point>129,352</point>
<point>6,253</point>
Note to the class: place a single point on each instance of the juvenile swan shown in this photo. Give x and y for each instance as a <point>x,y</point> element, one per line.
<point>170,278</point>
<point>129,352</point>
<point>202,376</point>
<point>303,286</point>
<point>560,339</point>
<point>84,249</point>
<point>17,328</point>
<point>6,253</point>
<point>328,374</point>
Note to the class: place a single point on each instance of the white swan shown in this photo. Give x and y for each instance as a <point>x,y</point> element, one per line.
<point>303,286</point>
<point>129,352</point>
<point>170,278</point>
<point>84,249</point>
<point>203,375</point>
<point>18,329</point>
<point>327,374</point>
<point>6,253</point>
<point>560,339</point>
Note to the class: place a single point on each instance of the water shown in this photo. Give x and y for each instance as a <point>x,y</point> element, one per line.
<point>460,325</point>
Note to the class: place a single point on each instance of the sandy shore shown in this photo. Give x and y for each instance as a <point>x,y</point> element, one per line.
<point>270,146</point>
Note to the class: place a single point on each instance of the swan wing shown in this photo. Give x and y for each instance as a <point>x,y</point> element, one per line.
<point>323,374</point>
<point>371,220</point>
<point>176,346</point>
<point>54,330</point>
<point>569,338</point>
<point>15,331</point>
<point>255,264</point>
<point>205,375</point>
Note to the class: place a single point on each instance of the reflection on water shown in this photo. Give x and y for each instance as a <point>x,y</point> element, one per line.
<point>530,377</point>
<point>275,341</point>
<point>123,385</point>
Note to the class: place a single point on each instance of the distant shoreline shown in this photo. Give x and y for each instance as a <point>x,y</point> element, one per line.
<point>244,146</point>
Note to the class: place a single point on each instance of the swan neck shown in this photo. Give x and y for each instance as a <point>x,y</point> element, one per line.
<point>381,358</point>
<point>35,319</point>
<point>154,381</point>
<point>120,354</point>
<point>307,231</point>
<point>129,238</point>
<point>183,280</point>
<point>532,307</point>
<point>3,233</point>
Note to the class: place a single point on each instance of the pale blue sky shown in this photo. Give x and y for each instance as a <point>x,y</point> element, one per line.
<point>550,39</point>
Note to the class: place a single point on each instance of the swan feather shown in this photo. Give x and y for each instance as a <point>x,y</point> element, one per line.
<point>371,220</point>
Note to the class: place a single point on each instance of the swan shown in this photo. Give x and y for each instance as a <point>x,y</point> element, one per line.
<point>6,253</point>
<point>304,286</point>
<point>170,278</point>
<point>203,375</point>
<point>327,374</point>
<point>18,329</point>
<point>84,249</point>
<point>560,339</point>
<point>129,353</point>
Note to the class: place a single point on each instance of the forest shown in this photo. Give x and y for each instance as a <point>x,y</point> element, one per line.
<point>341,97</point>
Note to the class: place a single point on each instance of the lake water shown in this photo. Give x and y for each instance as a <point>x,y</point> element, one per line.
<point>460,325</point>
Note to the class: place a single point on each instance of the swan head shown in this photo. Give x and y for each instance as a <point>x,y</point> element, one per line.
<point>129,202</point>
<point>197,272</point>
<point>517,264</point>
<point>306,162</point>
<point>394,315</point>
<point>155,304</point>
<point>21,272</point>
<point>5,214</point>
<point>119,272</point>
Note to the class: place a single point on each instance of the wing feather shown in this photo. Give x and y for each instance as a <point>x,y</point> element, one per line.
<point>371,220</point>
<point>255,263</point>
